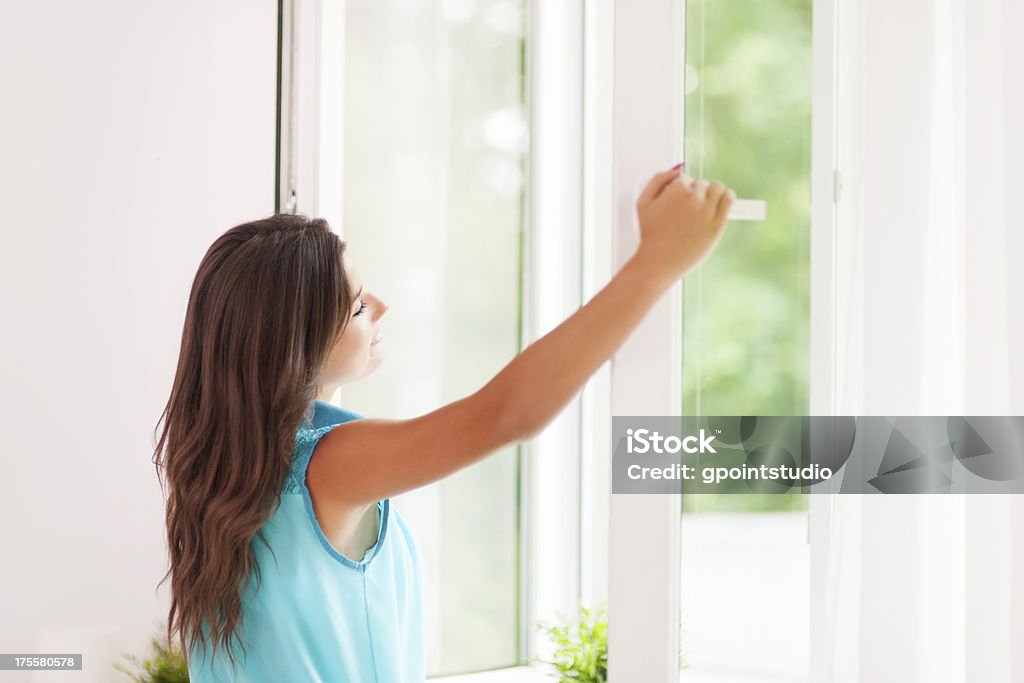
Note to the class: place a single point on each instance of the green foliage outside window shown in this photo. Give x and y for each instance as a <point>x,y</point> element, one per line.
<point>747,315</point>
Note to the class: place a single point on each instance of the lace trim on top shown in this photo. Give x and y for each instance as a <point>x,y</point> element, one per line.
<point>305,441</point>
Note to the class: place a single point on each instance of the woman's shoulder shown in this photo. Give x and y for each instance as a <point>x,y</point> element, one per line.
<point>323,419</point>
<point>329,415</point>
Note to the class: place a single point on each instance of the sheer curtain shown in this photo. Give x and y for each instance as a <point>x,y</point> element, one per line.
<point>929,322</point>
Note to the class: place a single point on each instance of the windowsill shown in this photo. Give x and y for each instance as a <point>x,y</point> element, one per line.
<point>518,674</point>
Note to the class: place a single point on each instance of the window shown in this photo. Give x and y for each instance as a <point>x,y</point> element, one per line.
<point>741,82</point>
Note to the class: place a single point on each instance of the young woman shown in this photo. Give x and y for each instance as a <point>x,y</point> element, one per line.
<point>280,532</point>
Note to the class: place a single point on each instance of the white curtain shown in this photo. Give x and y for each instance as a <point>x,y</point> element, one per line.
<point>930,321</point>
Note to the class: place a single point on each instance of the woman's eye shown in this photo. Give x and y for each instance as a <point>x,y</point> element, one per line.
<point>362,307</point>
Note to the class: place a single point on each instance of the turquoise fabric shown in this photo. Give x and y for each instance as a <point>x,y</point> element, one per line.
<point>318,616</point>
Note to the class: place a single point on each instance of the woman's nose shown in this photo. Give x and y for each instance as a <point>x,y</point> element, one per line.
<point>382,308</point>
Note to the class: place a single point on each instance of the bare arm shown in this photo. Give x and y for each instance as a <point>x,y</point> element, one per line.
<point>366,460</point>
<point>543,379</point>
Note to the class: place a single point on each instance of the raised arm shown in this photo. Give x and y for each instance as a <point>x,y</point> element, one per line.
<point>365,460</point>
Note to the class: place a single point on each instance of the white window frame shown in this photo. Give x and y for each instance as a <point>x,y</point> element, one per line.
<point>825,186</point>
<point>648,129</point>
<point>564,554</point>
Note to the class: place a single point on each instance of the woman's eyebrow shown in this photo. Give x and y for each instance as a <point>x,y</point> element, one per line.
<point>359,293</point>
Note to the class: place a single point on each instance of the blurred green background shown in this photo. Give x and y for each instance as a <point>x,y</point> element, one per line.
<point>748,124</point>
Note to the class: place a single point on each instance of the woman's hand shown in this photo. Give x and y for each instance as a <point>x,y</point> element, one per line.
<point>681,221</point>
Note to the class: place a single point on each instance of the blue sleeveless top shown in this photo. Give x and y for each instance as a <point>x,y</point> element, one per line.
<point>317,615</point>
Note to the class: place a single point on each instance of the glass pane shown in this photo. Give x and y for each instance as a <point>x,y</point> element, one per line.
<point>748,123</point>
<point>435,146</point>
<point>745,560</point>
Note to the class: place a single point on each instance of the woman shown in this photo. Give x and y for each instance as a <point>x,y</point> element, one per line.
<point>280,531</point>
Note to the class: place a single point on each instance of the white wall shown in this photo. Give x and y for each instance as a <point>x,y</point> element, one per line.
<point>132,135</point>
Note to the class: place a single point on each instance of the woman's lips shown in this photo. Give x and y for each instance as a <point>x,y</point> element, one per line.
<point>376,340</point>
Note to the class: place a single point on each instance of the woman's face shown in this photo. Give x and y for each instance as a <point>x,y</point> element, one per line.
<point>356,353</point>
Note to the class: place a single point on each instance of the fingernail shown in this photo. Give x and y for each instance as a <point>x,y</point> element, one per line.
<point>679,166</point>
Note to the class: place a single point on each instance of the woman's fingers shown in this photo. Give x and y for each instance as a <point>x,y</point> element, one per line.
<point>658,183</point>
<point>710,192</point>
<point>724,204</point>
<point>714,193</point>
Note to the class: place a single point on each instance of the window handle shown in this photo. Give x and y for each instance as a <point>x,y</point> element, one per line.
<point>748,210</point>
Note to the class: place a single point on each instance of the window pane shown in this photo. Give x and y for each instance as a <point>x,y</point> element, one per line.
<point>748,123</point>
<point>745,560</point>
<point>435,146</point>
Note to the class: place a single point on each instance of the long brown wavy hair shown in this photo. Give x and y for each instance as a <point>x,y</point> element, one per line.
<point>268,302</point>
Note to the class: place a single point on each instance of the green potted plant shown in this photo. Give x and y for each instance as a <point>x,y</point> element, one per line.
<point>165,664</point>
<point>580,653</point>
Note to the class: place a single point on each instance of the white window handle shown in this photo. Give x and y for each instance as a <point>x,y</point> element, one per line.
<point>748,210</point>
